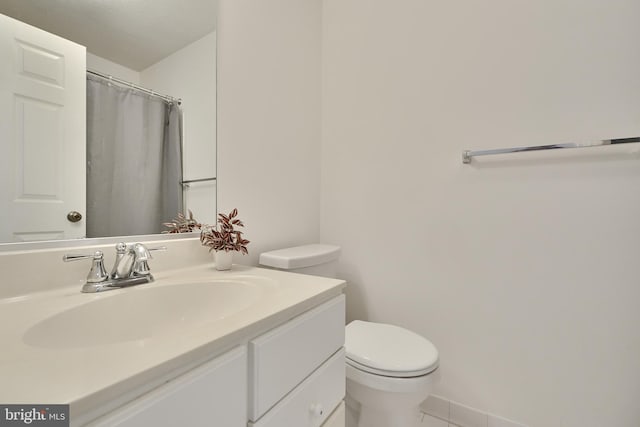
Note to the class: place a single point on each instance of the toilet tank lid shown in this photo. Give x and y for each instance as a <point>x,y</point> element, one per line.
<point>300,256</point>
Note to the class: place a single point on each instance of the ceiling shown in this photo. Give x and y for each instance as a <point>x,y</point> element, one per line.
<point>133,33</point>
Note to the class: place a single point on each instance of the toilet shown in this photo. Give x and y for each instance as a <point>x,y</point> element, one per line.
<point>390,370</point>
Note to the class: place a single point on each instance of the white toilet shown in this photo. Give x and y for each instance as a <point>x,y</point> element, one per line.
<point>390,370</point>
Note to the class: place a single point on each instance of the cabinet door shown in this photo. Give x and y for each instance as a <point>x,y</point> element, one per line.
<point>214,394</point>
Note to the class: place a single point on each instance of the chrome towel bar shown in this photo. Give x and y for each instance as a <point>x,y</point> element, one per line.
<point>467,155</point>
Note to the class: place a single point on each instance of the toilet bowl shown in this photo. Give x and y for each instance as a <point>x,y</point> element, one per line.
<point>390,370</point>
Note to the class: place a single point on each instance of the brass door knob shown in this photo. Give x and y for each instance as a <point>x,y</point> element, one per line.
<point>74,216</point>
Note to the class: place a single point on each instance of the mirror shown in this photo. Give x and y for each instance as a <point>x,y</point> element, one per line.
<point>166,46</point>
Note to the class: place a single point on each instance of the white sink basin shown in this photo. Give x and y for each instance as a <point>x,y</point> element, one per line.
<point>142,312</point>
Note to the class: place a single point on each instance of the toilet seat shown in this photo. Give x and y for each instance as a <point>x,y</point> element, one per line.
<point>388,373</point>
<point>388,350</point>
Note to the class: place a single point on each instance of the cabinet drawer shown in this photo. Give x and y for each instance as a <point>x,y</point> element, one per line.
<point>312,402</point>
<point>282,358</point>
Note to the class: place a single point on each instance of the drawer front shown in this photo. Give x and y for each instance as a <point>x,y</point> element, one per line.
<point>282,358</point>
<point>312,402</point>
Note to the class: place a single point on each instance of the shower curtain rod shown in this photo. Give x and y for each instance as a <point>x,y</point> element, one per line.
<point>134,86</point>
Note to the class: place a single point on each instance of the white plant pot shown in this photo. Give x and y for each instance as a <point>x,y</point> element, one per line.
<point>224,260</point>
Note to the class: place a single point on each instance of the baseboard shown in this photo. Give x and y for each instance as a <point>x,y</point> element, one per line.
<point>447,413</point>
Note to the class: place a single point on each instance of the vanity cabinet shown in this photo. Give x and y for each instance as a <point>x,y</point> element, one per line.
<point>291,376</point>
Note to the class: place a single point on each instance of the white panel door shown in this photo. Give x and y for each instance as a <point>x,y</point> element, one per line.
<point>42,134</point>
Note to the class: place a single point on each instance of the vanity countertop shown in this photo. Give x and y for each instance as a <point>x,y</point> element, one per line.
<point>38,368</point>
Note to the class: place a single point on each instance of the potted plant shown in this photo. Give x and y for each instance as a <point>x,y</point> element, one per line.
<point>225,240</point>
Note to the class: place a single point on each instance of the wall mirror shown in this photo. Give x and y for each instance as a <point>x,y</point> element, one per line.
<point>150,54</point>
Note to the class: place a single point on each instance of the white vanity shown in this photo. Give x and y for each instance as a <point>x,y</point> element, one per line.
<point>249,347</point>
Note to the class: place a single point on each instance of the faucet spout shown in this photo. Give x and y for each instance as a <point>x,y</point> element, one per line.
<point>123,263</point>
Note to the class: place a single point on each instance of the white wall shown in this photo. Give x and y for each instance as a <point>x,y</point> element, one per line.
<point>190,74</point>
<point>522,269</point>
<point>269,119</point>
<point>97,63</point>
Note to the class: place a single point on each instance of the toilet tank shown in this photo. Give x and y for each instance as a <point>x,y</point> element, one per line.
<point>315,259</point>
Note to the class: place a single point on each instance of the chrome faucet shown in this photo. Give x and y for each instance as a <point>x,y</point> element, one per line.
<point>130,268</point>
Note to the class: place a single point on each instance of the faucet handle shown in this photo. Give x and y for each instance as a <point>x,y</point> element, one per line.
<point>142,254</point>
<point>97,272</point>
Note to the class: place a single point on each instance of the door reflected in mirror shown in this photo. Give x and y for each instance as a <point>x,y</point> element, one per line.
<point>125,162</point>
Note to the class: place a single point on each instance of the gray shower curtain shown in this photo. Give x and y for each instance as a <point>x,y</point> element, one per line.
<point>134,160</point>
